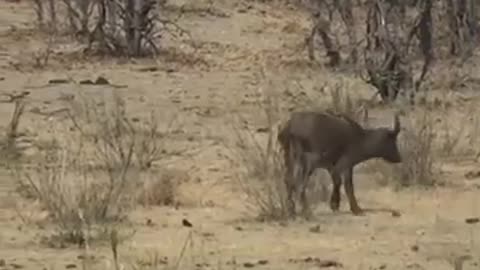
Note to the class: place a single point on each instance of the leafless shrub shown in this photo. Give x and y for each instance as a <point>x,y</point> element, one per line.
<point>46,12</point>
<point>160,188</point>
<point>68,197</point>
<point>79,14</point>
<point>88,183</point>
<point>124,27</point>
<point>117,135</point>
<point>12,130</point>
<point>341,102</point>
<point>262,170</point>
<point>462,19</point>
<point>451,139</point>
<point>42,55</point>
<point>150,140</point>
<point>417,145</point>
<point>399,40</point>
<point>456,138</point>
<point>474,136</point>
<point>8,144</point>
<point>323,11</point>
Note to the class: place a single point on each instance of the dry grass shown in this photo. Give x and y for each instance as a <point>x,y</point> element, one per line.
<point>459,138</point>
<point>152,259</point>
<point>262,179</point>
<point>8,144</point>
<point>161,188</point>
<point>429,138</point>
<point>258,155</point>
<point>88,183</point>
<point>416,143</point>
<point>341,102</point>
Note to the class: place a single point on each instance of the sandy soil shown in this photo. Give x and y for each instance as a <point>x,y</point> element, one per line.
<point>205,89</point>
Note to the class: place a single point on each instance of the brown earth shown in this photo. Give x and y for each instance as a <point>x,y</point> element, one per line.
<point>205,89</point>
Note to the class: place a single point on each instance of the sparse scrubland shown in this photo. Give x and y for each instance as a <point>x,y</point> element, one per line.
<point>143,134</point>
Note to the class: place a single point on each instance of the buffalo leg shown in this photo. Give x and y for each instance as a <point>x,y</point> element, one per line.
<point>290,186</point>
<point>290,201</point>
<point>307,172</point>
<point>349,190</point>
<point>335,197</point>
<point>295,182</point>
<point>291,163</point>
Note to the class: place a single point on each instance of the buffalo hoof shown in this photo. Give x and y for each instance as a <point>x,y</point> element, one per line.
<point>357,211</point>
<point>334,205</point>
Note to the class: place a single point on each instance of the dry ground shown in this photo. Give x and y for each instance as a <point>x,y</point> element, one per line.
<point>205,89</point>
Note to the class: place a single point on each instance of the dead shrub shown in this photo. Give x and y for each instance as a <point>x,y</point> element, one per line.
<point>107,125</point>
<point>119,28</point>
<point>8,146</point>
<point>151,139</point>
<point>417,146</point>
<point>160,188</point>
<point>261,175</point>
<point>335,97</point>
<point>87,184</point>
<point>342,102</point>
<point>73,198</point>
<point>457,137</point>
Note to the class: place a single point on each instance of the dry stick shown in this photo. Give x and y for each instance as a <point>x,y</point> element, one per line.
<point>13,126</point>
<point>458,262</point>
<point>182,252</point>
<point>114,247</point>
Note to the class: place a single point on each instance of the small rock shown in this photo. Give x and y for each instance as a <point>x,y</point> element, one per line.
<point>16,266</point>
<point>202,265</point>
<point>186,223</point>
<point>101,81</point>
<point>472,174</point>
<point>414,266</point>
<point>83,257</point>
<point>396,213</point>
<point>283,224</point>
<point>86,82</point>
<point>2,263</point>
<point>150,223</point>
<point>414,248</point>
<point>329,263</point>
<point>315,229</point>
<point>208,234</point>
<point>420,232</point>
<point>148,69</point>
<point>58,81</point>
<point>262,262</point>
<point>248,265</point>
<point>71,266</point>
<point>472,220</point>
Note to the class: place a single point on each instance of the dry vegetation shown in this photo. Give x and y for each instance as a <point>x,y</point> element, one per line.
<point>113,160</point>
